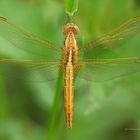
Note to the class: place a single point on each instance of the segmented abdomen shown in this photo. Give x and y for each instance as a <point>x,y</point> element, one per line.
<point>69,94</point>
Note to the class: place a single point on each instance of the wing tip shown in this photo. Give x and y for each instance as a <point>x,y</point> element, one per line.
<point>3,19</point>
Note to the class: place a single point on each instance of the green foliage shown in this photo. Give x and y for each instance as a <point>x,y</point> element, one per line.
<point>71,7</point>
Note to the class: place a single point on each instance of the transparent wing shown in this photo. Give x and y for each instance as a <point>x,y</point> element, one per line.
<point>112,44</point>
<point>107,69</point>
<point>29,70</point>
<point>27,41</point>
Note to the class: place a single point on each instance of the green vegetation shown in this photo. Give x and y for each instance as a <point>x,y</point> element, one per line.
<point>34,111</point>
<point>71,7</point>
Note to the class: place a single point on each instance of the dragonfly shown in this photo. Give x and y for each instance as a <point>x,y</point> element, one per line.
<point>97,60</point>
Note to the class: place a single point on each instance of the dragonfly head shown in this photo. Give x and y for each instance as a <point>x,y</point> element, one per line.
<point>70,27</point>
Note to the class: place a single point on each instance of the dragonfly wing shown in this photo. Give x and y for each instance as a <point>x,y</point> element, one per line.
<point>108,69</point>
<point>28,42</point>
<point>112,44</point>
<point>29,70</point>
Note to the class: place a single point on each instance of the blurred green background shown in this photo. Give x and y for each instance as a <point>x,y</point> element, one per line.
<point>34,111</point>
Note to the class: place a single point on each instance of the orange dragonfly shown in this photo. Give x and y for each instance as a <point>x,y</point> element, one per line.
<point>98,60</point>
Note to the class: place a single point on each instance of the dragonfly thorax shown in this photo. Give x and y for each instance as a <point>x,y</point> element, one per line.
<point>70,27</point>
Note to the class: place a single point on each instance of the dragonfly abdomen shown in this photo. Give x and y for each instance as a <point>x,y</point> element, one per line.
<point>69,94</point>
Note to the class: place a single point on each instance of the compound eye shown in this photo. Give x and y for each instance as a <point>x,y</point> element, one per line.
<point>70,27</point>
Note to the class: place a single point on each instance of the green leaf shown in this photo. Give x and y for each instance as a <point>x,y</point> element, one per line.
<point>71,7</point>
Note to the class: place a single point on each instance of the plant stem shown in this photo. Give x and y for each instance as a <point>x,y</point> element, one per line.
<point>55,108</point>
<point>3,103</point>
